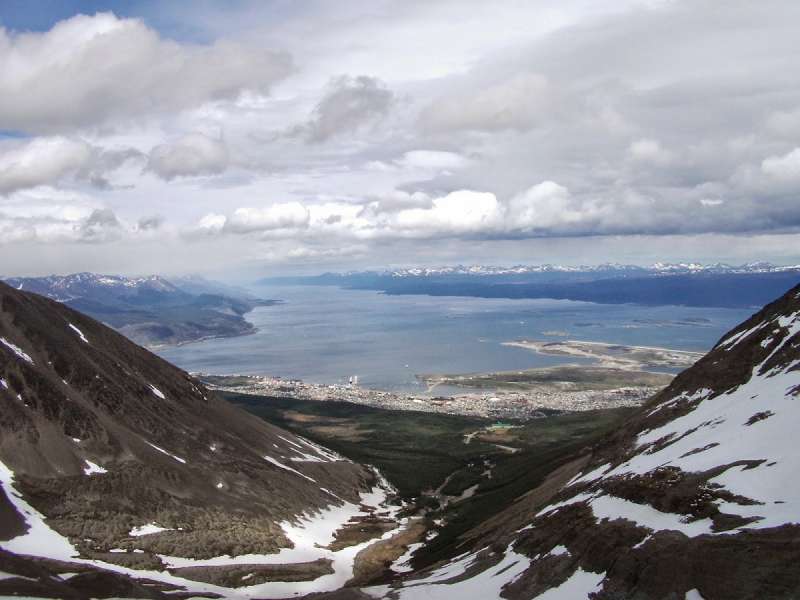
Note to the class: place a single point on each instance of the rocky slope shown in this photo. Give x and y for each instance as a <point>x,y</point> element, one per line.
<point>151,310</point>
<point>695,497</point>
<point>113,461</point>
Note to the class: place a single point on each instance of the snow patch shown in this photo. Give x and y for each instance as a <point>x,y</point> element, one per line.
<point>580,584</point>
<point>79,332</point>
<point>157,392</point>
<point>287,468</point>
<point>147,530</point>
<point>39,539</point>
<point>486,584</point>
<point>16,350</point>
<point>92,468</point>
<point>178,458</point>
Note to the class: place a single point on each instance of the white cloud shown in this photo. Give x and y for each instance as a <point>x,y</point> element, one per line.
<point>288,215</point>
<point>88,69</point>
<point>786,167</point>
<point>459,212</point>
<point>544,206</point>
<point>436,160</point>
<point>649,151</point>
<point>191,154</point>
<point>47,215</point>
<point>41,161</point>
<point>519,102</point>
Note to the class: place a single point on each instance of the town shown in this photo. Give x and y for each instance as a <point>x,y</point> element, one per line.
<point>505,404</point>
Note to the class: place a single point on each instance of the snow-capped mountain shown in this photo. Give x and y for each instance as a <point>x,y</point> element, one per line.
<point>121,475</point>
<point>80,285</point>
<point>150,310</point>
<point>659,267</point>
<point>695,497</point>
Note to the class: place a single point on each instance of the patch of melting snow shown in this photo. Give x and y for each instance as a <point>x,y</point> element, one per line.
<point>157,392</point>
<point>486,584</point>
<point>612,508</point>
<point>309,535</point>
<point>79,332</point>
<point>178,458</point>
<point>92,468</point>
<point>579,585</point>
<point>16,350</point>
<point>693,595</point>
<point>279,464</point>
<point>508,449</point>
<point>147,530</point>
<point>4,575</point>
<point>3,383</point>
<point>719,425</point>
<point>402,563</point>
<point>39,539</point>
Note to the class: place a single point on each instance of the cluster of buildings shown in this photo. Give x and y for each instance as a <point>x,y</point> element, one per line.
<point>494,404</point>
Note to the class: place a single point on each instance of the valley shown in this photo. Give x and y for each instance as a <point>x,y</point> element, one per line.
<point>447,469</point>
<point>124,476</point>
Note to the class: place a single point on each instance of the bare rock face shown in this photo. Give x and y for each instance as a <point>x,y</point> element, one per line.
<point>119,450</point>
<point>695,497</point>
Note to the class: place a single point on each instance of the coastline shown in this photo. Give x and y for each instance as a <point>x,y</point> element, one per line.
<point>500,404</point>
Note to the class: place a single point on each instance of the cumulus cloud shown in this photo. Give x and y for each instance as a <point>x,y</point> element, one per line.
<point>785,167</point>
<point>288,215</point>
<point>315,254</point>
<point>87,69</point>
<point>349,103</point>
<point>190,155</point>
<point>41,161</point>
<point>47,215</point>
<point>544,207</point>
<point>518,102</point>
<point>459,212</point>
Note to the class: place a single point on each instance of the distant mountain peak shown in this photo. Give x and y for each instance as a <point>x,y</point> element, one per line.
<point>609,267</point>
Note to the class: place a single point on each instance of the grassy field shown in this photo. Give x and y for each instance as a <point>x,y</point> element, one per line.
<point>418,451</point>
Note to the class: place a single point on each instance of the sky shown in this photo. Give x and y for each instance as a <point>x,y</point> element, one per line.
<point>248,138</point>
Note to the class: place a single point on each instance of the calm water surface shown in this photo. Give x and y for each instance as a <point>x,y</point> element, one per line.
<point>324,334</point>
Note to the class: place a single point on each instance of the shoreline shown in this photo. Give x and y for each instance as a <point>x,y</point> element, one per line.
<point>496,404</point>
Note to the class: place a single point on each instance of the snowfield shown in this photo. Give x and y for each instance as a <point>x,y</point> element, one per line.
<point>309,533</point>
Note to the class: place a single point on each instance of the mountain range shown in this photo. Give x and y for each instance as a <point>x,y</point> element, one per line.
<point>152,310</point>
<point>607,268</point>
<point>122,476</point>
<point>687,284</point>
